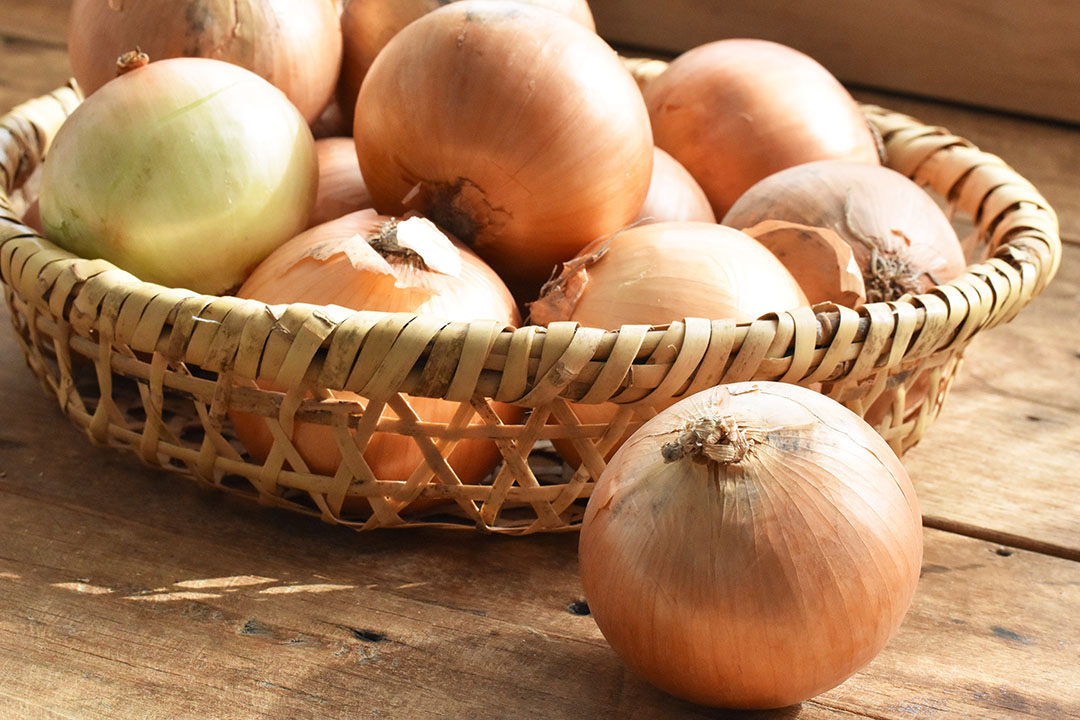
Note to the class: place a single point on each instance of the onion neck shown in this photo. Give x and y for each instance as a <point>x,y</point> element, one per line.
<point>718,440</point>
<point>385,241</point>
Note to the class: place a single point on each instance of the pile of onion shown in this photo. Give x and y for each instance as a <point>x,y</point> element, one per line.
<point>901,239</point>
<point>655,274</point>
<point>364,261</point>
<point>751,546</point>
<point>734,111</point>
<point>185,172</point>
<point>293,44</point>
<point>367,25</point>
<point>513,127</point>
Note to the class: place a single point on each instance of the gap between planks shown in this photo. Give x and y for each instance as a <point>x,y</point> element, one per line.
<point>1001,537</point>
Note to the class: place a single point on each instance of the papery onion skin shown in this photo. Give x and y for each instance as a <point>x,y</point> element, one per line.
<point>674,194</point>
<point>342,189</point>
<point>186,172</point>
<point>367,25</point>
<point>902,240</point>
<point>734,111</point>
<point>291,275</point>
<point>761,582</point>
<point>513,127</point>
<point>293,44</point>
<point>655,274</point>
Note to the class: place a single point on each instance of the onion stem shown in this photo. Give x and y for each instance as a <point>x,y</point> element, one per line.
<point>718,440</point>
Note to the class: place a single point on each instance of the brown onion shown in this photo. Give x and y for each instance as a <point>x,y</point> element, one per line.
<point>513,127</point>
<point>341,186</point>
<point>658,273</point>
<point>294,44</point>
<point>734,111</point>
<point>751,546</point>
<point>367,25</point>
<point>365,261</point>
<point>674,194</point>
<point>901,239</point>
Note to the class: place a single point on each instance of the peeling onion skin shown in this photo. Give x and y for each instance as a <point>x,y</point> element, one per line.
<point>734,111</point>
<point>902,240</point>
<point>762,582</point>
<point>294,44</point>
<point>511,126</point>
<point>367,25</point>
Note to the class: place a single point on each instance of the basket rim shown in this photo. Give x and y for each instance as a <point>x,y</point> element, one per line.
<point>84,293</point>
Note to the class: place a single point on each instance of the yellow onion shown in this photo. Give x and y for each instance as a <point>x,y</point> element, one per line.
<point>901,239</point>
<point>364,261</point>
<point>294,44</point>
<point>819,259</point>
<point>367,25</point>
<point>734,111</point>
<point>751,546</point>
<point>341,186</point>
<point>674,194</point>
<point>657,273</point>
<point>511,126</point>
<point>185,172</point>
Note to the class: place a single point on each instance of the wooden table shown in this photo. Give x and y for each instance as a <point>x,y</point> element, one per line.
<point>126,592</point>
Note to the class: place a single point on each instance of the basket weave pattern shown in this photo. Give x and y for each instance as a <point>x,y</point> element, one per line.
<point>156,370</point>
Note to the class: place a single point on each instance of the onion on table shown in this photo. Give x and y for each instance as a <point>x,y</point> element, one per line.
<point>185,172</point>
<point>365,261</point>
<point>367,25</point>
<point>657,273</point>
<point>293,44</point>
<point>734,111</point>
<point>513,127</point>
<point>751,546</point>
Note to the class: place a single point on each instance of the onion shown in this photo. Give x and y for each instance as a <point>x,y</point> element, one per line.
<point>511,126</point>
<point>674,194</point>
<point>751,546</point>
<point>186,172</point>
<point>341,186</point>
<point>902,241</point>
<point>294,44</point>
<point>365,261</point>
<point>818,258</point>
<point>734,111</point>
<point>367,25</point>
<point>657,273</point>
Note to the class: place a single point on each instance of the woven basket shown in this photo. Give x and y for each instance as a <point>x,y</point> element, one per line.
<point>156,370</point>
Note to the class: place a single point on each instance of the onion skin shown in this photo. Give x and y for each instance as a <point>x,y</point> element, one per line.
<point>658,273</point>
<point>293,274</point>
<point>293,44</point>
<point>186,172</point>
<point>341,185</point>
<point>758,581</point>
<point>818,258</point>
<point>674,194</point>
<point>367,25</point>
<point>512,127</point>
<point>734,111</point>
<point>902,241</point>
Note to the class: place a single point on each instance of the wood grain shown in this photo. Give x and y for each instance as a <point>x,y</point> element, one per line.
<point>988,53</point>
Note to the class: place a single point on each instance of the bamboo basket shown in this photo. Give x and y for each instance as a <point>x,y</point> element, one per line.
<point>156,370</point>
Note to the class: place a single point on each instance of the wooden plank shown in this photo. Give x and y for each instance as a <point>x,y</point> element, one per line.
<point>987,53</point>
<point>29,69</point>
<point>42,20</point>
<point>1003,455</point>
